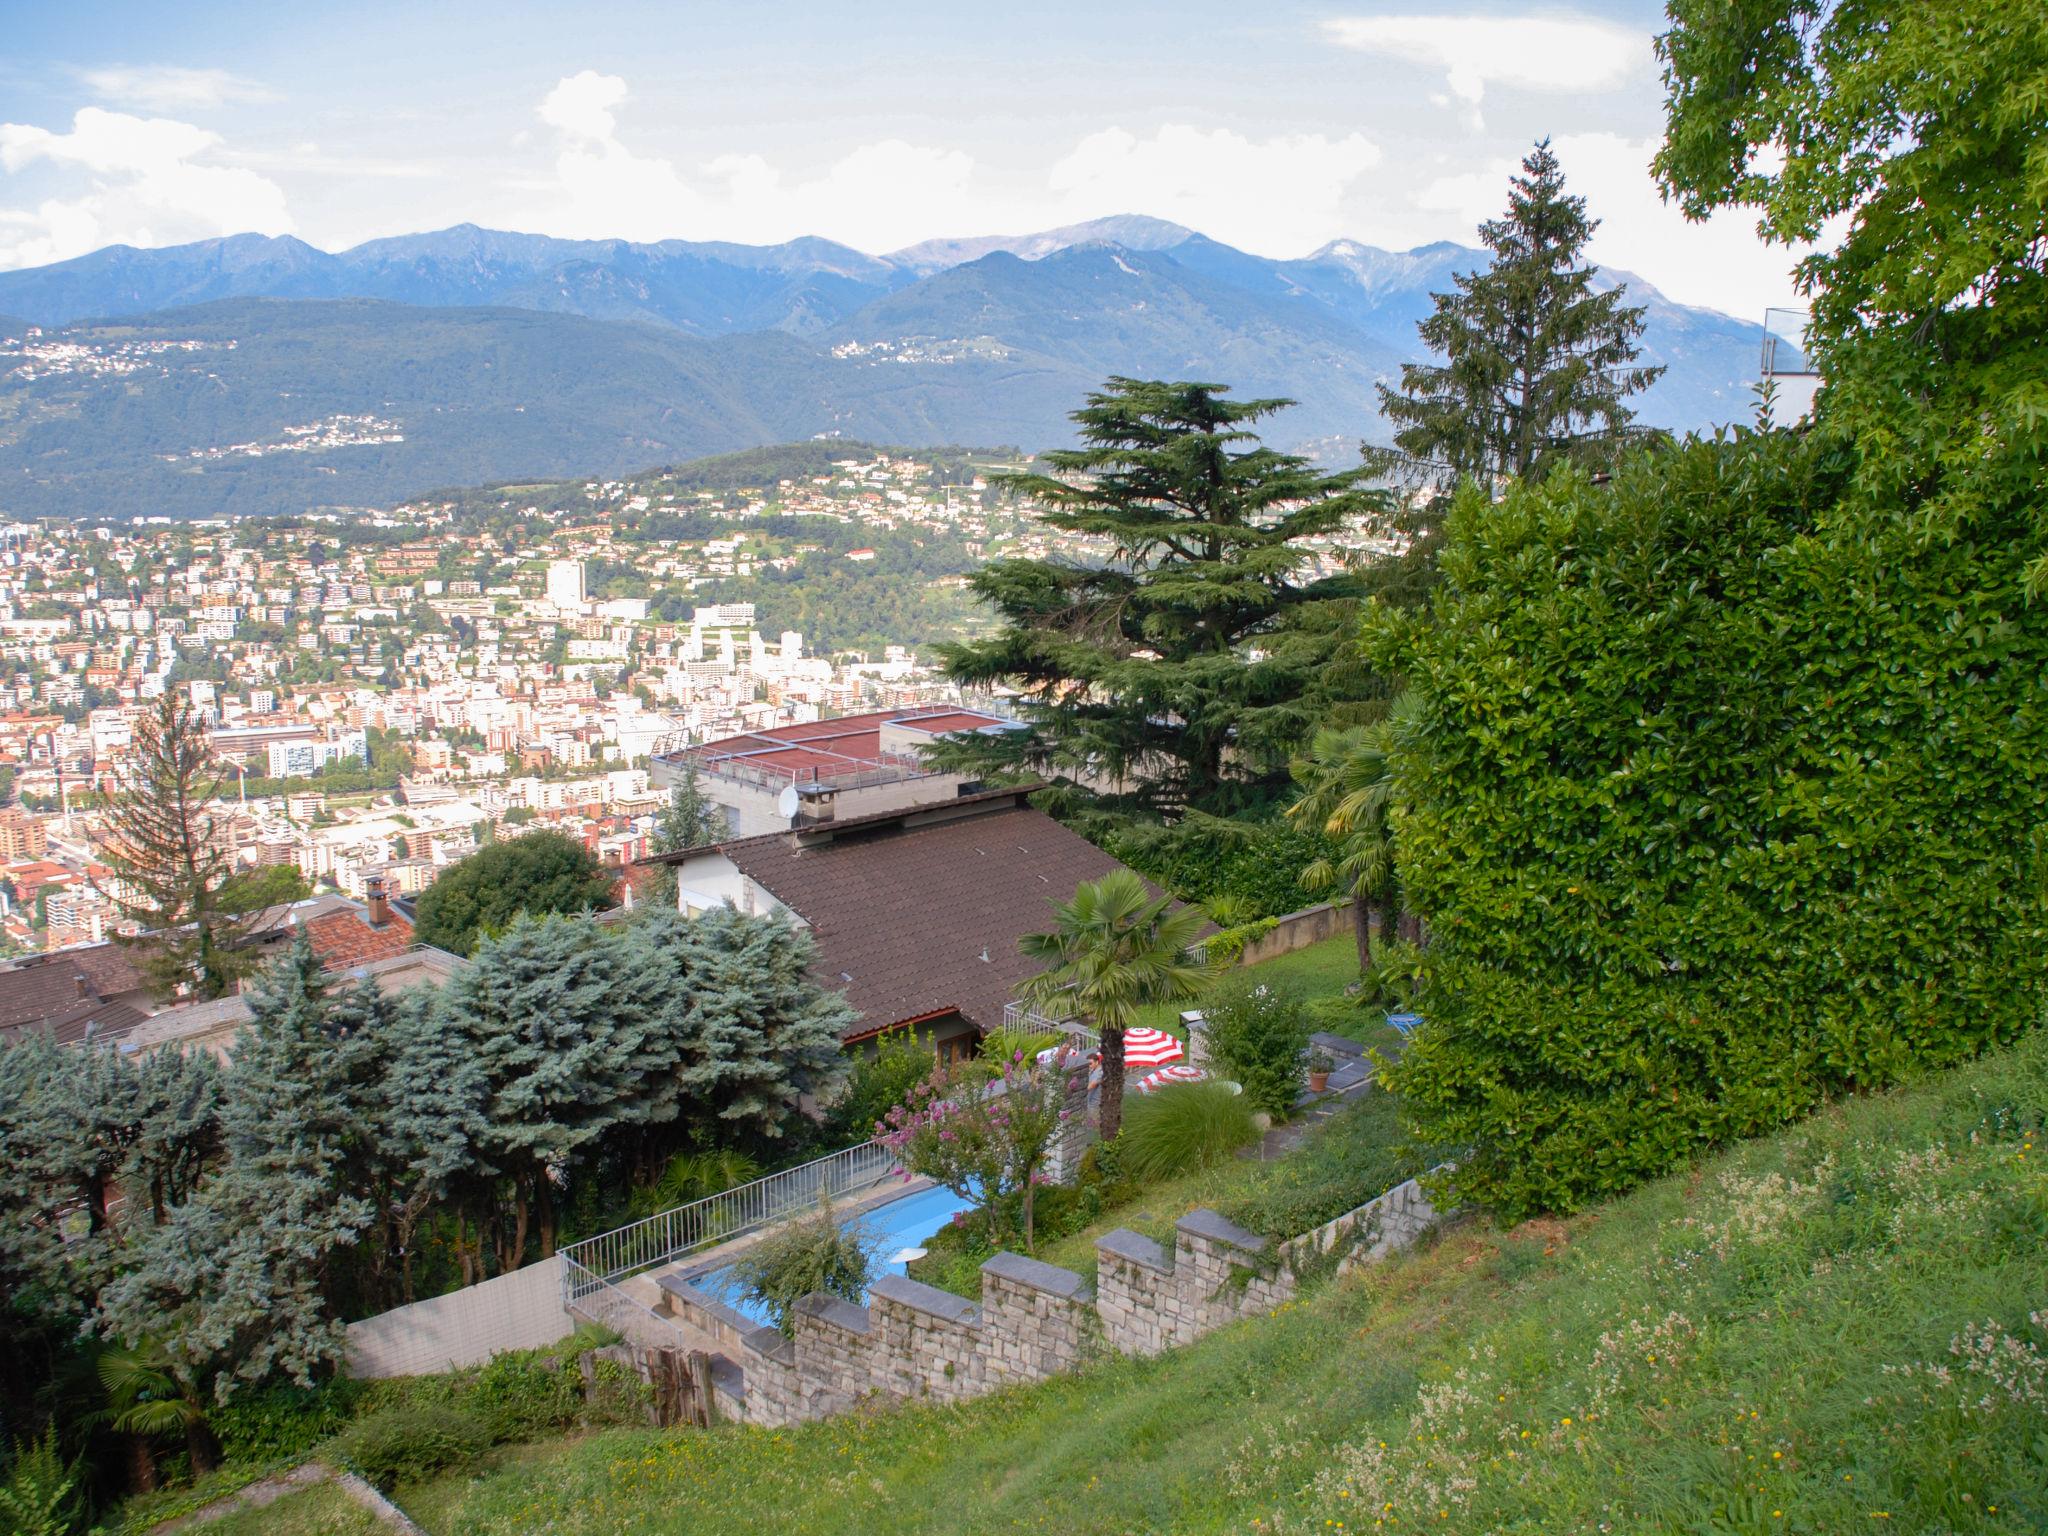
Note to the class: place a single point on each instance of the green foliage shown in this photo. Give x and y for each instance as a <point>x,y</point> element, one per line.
<point>1016,1044</point>
<point>284,1423</point>
<point>815,1253</point>
<point>1249,867</point>
<point>41,1495</point>
<point>1355,1156</point>
<point>1536,361</point>
<point>1184,1126</point>
<point>1257,1031</point>
<point>1114,950</point>
<point>1138,670</point>
<point>524,1393</point>
<point>402,1445</point>
<point>1226,946</point>
<point>274,885</point>
<point>986,1130</point>
<point>539,873</point>
<point>1710,803</point>
<point>691,1176</point>
<point>878,1082</point>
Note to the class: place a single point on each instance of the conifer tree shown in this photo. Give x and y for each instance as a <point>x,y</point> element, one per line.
<point>169,855</point>
<point>235,1286</point>
<point>1536,363</point>
<point>563,1047</point>
<point>1177,672</point>
<point>688,820</point>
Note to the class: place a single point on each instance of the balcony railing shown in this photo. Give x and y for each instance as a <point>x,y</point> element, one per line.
<point>1020,1018</point>
<point>612,1256</point>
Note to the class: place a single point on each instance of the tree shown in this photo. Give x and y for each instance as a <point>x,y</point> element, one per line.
<point>539,873</point>
<point>169,856</point>
<point>985,1130</point>
<point>235,1285</point>
<point>1536,363</point>
<point>258,890</point>
<point>688,820</point>
<point>1347,794</point>
<point>1181,671</point>
<point>741,1033</point>
<point>1114,950</point>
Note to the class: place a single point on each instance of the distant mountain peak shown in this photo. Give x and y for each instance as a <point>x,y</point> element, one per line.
<point>1133,231</point>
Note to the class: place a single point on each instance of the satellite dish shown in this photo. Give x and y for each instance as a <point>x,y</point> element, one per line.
<point>786,803</point>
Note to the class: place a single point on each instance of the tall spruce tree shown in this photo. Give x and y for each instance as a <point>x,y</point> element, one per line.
<point>1179,672</point>
<point>1536,363</point>
<point>168,856</point>
<point>689,820</point>
<point>236,1284</point>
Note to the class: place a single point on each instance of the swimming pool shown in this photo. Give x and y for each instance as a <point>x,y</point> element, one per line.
<point>904,1222</point>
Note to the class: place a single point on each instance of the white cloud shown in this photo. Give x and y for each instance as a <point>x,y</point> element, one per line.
<point>147,183</point>
<point>1537,53</point>
<point>866,198</point>
<point>172,87</point>
<point>1719,263</point>
<point>1277,196</point>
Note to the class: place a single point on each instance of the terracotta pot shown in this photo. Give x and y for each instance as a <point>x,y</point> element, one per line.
<point>1318,1082</point>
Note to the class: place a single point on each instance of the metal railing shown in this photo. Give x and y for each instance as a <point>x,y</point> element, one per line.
<point>602,1302</point>
<point>601,1261</point>
<point>1021,1018</point>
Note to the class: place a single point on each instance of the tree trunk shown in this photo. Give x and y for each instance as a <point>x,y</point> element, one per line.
<point>1030,1190</point>
<point>544,1197</point>
<point>1111,1116</point>
<point>141,1464</point>
<point>1361,927</point>
<point>201,1446</point>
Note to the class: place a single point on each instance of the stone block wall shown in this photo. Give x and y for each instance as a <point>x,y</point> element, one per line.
<point>914,1341</point>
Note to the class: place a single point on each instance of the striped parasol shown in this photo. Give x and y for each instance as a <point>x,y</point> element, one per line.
<point>1150,1048</point>
<point>1165,1077</point>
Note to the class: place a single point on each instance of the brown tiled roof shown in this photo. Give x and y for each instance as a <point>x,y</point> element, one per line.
<point>912,922</point>
<point>345,938</point>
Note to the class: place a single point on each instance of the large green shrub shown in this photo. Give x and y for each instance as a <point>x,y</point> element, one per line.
<point>1723,795</point>
<point>818,1252</point>
<point>1184,1127</point>
<point>283,1421</point>
<point>395,1445</point>
<point>879,1082</point>
<point>1257,1032</point>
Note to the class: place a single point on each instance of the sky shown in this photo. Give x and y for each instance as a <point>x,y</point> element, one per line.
<point>1272,126</point>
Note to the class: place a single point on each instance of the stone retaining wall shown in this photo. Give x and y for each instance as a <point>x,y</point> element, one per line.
<point>1034,1320</point>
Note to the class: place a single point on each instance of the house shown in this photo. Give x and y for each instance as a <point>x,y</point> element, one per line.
<point>916,911</point>
<point>858,764</point>
<point>91,992</point>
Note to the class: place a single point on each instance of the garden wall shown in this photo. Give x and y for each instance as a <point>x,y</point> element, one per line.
<point>522,1310</point>
<point>1298,930</point>
<point>1034,1320</point>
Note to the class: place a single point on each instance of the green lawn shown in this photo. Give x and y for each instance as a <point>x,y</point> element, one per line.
<point>322,1510</point>
<point>1321,971</point>
<point>1837,1329</point>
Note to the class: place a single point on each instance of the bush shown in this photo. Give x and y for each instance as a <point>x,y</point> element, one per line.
<point>1226,946</point>
<point>1356,1155</point>
<point>813,1253</point>
<point>523,1393</point>
<point>395,1445</point>
<point>283,1423</point>
<point>40,1496</point>
<point>1184,1127</point>
<point>879,1083</point>
<point>1716,804</point>
<point>1256,1034</point>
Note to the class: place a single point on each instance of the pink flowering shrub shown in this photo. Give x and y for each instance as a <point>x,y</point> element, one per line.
<point>985,1130</point>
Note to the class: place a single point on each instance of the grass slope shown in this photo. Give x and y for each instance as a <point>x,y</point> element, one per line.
<point>1836,1329</point>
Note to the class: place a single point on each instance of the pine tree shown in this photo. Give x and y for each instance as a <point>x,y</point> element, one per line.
<point>169,855</point>
<point>1536,364</point>
<point>235,1286</point>
<point>689,820</point>
<point>1181,671</point>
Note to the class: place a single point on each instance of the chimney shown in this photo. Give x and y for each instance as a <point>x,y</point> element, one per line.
<point>84,986</point>
<point>378,902</point>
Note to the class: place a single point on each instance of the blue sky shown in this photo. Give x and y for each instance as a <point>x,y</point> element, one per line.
<point>1275,126</point>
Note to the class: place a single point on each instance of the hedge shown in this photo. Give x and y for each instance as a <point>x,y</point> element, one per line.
<point>1724,796</point>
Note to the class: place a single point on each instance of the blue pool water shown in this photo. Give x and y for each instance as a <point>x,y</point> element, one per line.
<point>904,1222</point>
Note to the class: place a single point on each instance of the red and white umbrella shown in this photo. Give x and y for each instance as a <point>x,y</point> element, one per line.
<point>1150,1048</point>
<point>1166,1076</point>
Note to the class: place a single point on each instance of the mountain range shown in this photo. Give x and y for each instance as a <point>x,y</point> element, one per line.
<point>254,373</point>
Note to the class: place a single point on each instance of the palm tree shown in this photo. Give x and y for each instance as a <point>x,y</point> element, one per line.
<point>146,1398</point>
<point>1347,794</point>
<point>1116,949</point>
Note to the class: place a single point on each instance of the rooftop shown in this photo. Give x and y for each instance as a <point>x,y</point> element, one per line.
<point>836,753</point>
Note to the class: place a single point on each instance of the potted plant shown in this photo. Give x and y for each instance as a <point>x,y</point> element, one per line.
<point>1319,1064</point>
